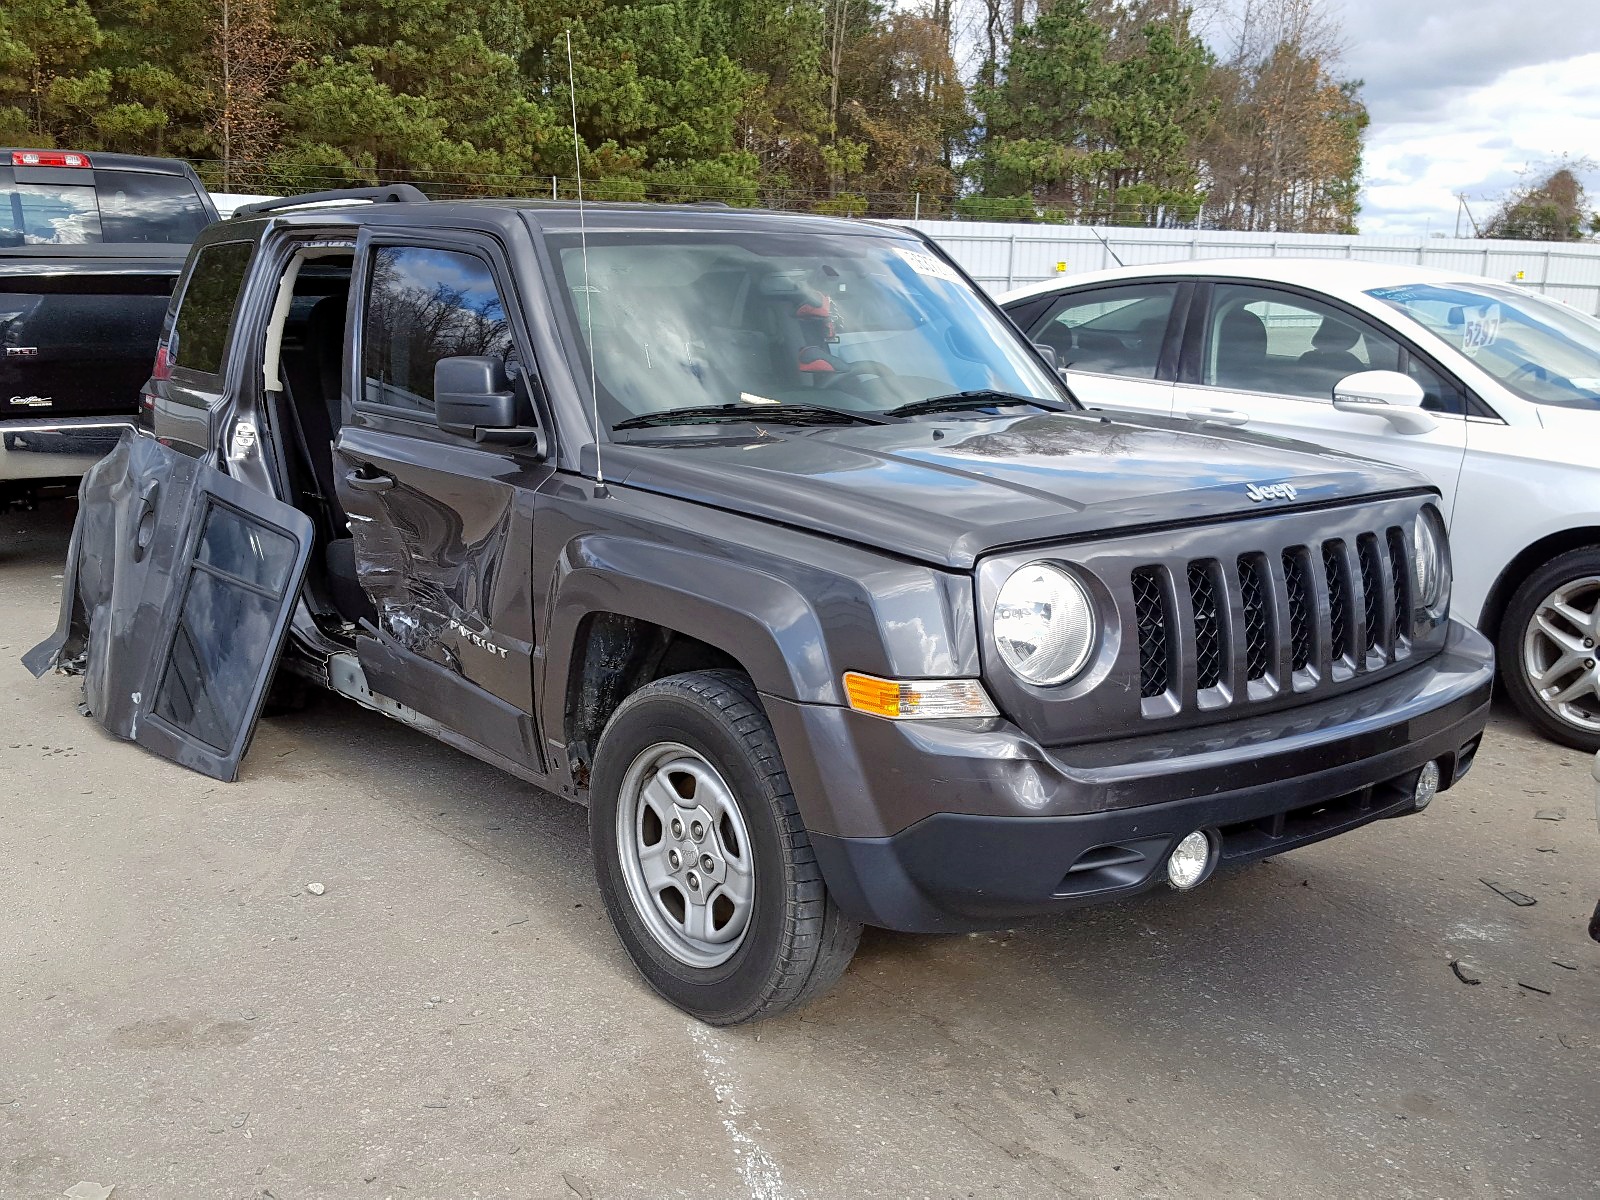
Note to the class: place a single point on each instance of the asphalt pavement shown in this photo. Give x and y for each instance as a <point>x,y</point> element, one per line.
<point>183,1015</point>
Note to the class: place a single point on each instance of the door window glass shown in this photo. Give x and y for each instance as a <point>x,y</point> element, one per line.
<point>424,305</point>
<point>230,609</point>
<point>1262,340</point>
<point>205,313</point>
<point>1110,331</point>
<point>1439,394</point>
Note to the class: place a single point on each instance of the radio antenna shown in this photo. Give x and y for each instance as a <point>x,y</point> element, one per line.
<point>588,291</point>
<point>1107,245</point>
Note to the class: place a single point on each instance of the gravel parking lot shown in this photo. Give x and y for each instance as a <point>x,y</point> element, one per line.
<point>452,1017</point>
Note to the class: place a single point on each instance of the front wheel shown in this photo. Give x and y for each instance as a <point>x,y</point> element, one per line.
<point>701,856</point>
<point>1550,648</point>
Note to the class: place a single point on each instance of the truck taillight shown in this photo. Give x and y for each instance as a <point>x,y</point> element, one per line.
<point>162,367</point>
<point>49,158</point>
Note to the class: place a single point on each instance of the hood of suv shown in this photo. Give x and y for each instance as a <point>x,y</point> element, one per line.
<point>947,491</point>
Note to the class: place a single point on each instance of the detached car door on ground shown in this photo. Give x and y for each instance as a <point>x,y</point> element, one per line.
<point>176,602</point>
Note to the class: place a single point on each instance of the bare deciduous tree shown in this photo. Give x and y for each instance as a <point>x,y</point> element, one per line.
<point>1285,151</point>
<point>251,58</point>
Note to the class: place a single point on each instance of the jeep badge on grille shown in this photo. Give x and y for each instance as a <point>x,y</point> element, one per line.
<point>1269,491</point>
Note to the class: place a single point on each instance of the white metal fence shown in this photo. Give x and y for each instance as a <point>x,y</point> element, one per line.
<point>1001,256</point>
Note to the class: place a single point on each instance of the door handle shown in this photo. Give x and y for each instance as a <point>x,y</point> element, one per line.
<point>1219,416</point>
<point>369,479</point>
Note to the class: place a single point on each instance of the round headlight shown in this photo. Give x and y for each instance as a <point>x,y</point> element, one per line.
<point>1043,624</point>
<point>1429,562</point>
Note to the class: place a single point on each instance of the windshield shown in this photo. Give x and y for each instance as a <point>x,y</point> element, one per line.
<point>117,206</point>
<point>1540,349</point>
<point>848,322</point>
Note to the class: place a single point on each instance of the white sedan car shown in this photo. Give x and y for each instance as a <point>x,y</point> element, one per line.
<point>1489,390</point>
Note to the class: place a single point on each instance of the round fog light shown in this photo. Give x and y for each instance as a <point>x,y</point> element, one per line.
<point>1427,785</point>
<point>1187,864</point>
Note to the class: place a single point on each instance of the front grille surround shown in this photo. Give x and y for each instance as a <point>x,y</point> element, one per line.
<point>1337,622</point>
<point>1207,623</point>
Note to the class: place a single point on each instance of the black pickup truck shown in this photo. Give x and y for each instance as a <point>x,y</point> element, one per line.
<point>90,247</point>
<point>771,540</point>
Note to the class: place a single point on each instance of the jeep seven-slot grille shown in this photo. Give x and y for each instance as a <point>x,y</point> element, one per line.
<point>1251,620</point>
<point>1302,613</point>
<point>1150,610</point>
<point>1371,591</point>
<point>1338,597</point>
<point>1207,626</point>
<point>1400,575</point>
<point>1253,595</point>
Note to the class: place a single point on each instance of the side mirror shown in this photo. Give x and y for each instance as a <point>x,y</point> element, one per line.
<point>1048,353</point>
<point>1395,397</point>
<point>473,398</point>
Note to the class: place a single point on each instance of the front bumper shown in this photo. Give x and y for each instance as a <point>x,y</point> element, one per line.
<point>60,449</point>
<point>965,825</point>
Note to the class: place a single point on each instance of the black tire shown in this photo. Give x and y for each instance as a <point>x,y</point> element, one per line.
<point>796,943</point>
<point>1525,602</point>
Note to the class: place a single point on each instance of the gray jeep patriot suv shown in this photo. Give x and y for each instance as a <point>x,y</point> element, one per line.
<point>772,541</point>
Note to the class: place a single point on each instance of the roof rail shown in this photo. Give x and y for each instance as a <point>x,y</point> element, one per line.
<point>391,193</point>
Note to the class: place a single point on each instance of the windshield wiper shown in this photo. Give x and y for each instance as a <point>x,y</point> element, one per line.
<point>976,398</point>
<point>791,414</point>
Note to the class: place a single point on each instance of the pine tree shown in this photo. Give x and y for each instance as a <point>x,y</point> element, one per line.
<point>1096,117</point>
<point>425,89</point>
<point>153,53</point>
<point>47,91</point>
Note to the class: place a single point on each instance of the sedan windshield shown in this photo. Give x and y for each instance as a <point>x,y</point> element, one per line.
<point>856,323</point>
<point>1540,349</point>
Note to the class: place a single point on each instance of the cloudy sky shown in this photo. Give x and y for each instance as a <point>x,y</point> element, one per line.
<point>1464,95</point>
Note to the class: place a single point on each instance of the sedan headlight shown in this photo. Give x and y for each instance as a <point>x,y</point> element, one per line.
<point>1431,561</point>
<point>1044,624</point>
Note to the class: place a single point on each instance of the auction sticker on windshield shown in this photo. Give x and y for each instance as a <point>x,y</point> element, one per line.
<point>929,265</point>
<point>1482,327</point>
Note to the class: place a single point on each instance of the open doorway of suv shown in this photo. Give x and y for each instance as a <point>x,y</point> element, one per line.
<point>303,370</point>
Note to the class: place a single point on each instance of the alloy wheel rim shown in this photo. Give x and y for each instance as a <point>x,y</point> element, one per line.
<point>686,855</point>
<point>1559,653</point>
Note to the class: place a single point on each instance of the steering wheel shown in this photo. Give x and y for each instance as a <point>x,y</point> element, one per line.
<point>1532,370</point>
<point>864,366</point>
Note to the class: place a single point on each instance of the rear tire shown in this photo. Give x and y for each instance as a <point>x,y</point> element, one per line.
<point>734,924</point>
<point>1550,632</point>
